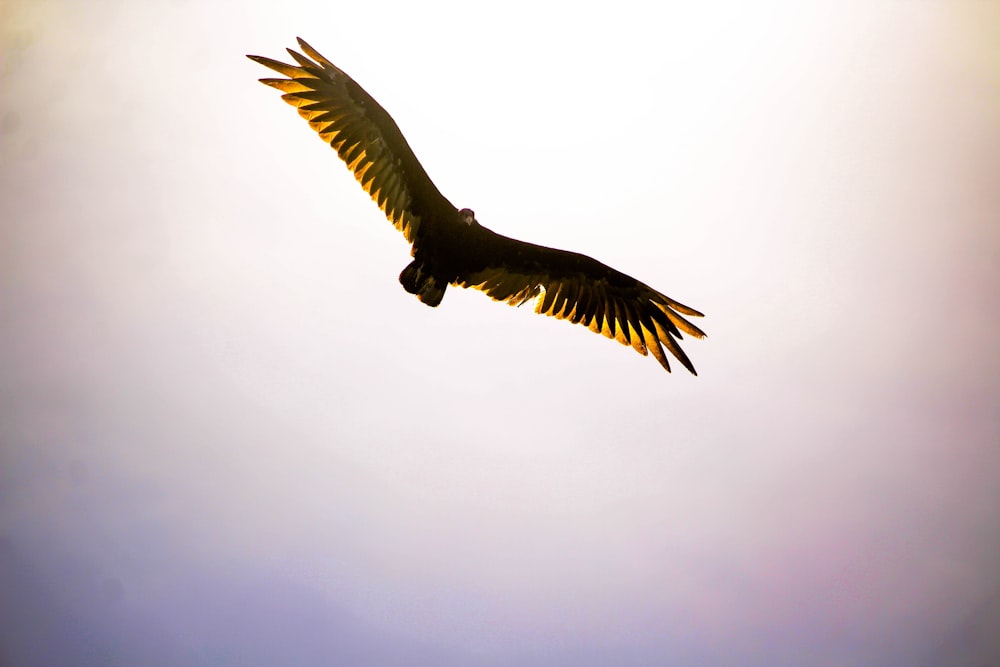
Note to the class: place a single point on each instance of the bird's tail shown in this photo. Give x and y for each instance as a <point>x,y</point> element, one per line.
<point>417,281</point>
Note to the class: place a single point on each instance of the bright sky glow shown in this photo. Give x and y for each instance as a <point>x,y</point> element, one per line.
<point>230,437</point>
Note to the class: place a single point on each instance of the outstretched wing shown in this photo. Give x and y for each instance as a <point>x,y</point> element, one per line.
<point>363,134</point>
<point>574,287</point>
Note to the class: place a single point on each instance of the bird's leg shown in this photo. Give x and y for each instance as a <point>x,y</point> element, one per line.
<point>416,280</point>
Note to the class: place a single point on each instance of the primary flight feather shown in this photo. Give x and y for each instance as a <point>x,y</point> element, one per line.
<point>449,246</point>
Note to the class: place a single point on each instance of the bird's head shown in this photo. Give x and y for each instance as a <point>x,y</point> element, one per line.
<point>468,216</point>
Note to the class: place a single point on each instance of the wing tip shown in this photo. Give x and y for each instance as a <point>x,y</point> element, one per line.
<point>315,55</point>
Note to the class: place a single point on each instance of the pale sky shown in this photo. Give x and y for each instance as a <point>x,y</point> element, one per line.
<point>230,437</point>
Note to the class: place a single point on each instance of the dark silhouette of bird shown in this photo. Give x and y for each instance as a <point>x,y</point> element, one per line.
<point>449,246</point>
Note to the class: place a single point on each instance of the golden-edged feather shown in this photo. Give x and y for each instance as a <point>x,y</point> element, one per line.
<point>603,300</point>
<point>360,130</point>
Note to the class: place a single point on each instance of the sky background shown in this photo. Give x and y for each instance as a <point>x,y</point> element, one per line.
<point>230,437</point>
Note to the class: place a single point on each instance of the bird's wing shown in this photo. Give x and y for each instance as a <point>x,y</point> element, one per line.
<point>363,134</point>
<point>574,287</point>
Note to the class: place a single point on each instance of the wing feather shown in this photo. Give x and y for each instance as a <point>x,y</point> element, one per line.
<point>364,136</point>
<point>621,322</point>
<point>652,340</point>
<point>580,289</point>
<point>586,305</point>
<point>566,303</point>
<point>545,305</point>
<point>286,86</point>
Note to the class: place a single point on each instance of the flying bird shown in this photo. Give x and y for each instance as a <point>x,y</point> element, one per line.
<point>449,246</point>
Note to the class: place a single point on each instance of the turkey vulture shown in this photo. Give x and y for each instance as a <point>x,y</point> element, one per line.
<point>449,246</point>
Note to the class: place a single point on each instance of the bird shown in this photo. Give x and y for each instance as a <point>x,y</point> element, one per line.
<point>449,246</point>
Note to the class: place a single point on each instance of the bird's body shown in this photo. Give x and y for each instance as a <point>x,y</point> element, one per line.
<point>449,246</point>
